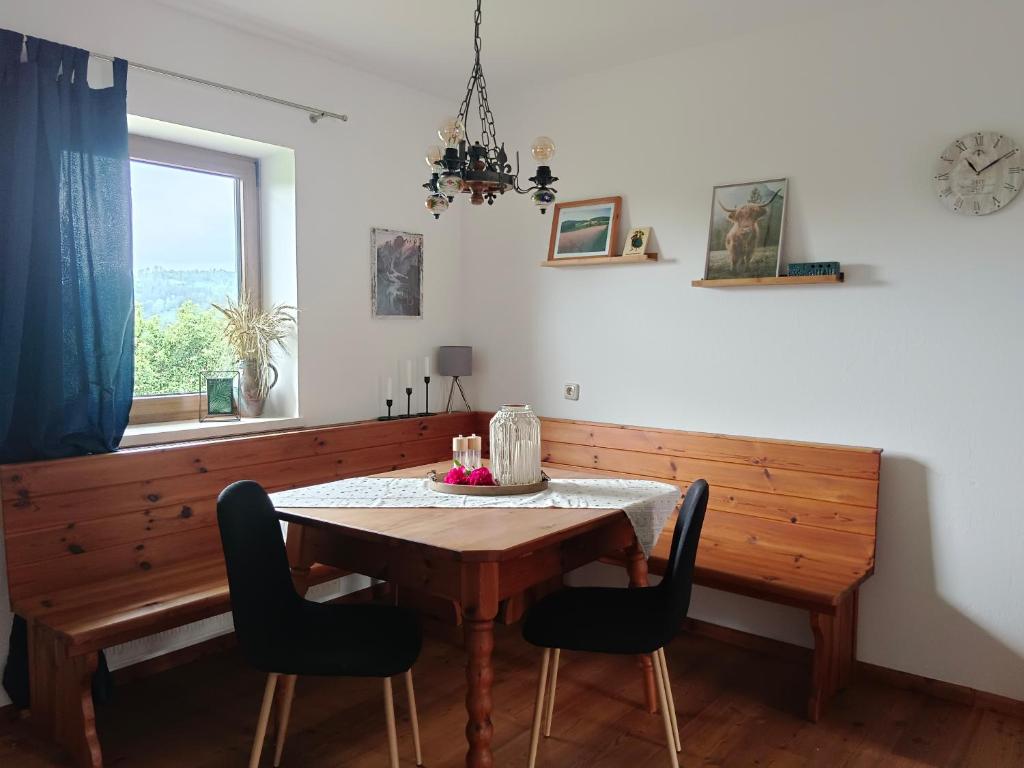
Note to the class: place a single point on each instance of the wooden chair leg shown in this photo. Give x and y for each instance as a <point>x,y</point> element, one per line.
<point>389,717</point>
<point>413,716</point>
<point>283,716</point>
<point>671,699</point>
<point>834,654</point>
<point>261,724</point>
<point>552,688</point>
<point>538,707</point>
<point>659,682</point>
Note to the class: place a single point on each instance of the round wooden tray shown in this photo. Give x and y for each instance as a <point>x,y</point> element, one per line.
<point>486,490</point>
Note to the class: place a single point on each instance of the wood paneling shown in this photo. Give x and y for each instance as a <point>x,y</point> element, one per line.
<point>140,510</point>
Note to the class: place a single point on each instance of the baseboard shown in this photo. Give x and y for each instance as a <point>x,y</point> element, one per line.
<point>960,694</point>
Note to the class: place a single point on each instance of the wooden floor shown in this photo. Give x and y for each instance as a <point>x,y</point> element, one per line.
<point>736,708</point>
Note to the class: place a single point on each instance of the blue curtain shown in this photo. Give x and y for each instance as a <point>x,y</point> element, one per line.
<point>66,307</point>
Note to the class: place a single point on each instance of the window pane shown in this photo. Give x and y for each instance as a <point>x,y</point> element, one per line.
<point>185,227</point>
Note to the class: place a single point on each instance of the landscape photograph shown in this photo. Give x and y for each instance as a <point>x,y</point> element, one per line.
<point>584,231</point>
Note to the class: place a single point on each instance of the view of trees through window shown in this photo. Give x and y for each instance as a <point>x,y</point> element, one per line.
<point>185,233</point>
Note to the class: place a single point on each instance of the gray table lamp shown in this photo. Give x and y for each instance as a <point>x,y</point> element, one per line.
<point>455,362</point>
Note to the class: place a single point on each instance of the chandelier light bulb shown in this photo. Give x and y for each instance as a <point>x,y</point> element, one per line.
<point>451,132</point>
<point>436,205</point>
<point>542,149</point>
<point>434,155</point>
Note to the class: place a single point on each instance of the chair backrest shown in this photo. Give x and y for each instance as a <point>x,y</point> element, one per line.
<point>263,598</point>
<point>678,578</point>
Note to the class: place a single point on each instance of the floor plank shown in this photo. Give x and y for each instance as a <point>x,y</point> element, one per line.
<point>737,709</point>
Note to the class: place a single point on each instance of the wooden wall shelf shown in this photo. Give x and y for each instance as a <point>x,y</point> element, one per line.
<point>582,261</point>
<point>741,281</point>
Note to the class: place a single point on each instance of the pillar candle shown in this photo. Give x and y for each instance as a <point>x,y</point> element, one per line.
<point>426,366</point>
<point>388,390</point>
<point>408,373</point>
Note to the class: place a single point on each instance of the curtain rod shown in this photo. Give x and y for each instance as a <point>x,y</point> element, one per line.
<point>315,114</point>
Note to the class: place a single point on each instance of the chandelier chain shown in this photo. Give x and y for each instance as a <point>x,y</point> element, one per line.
<point>478,84</point>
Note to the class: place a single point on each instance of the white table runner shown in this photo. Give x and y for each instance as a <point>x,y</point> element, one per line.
<point>647,504</point>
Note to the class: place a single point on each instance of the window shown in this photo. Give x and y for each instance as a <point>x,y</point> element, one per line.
<point>195,237</point>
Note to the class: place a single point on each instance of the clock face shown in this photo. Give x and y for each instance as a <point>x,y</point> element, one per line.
<point>979,173</point>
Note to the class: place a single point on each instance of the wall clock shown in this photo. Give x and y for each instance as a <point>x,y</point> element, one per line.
<point>979,173</point>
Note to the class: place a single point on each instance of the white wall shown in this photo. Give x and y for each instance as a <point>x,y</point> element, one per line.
<point>349,177</point>
<point>919,353</point>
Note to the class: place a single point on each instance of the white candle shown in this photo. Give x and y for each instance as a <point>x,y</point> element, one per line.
<point>389,390</point>
<point>426,366</point>
<point>408,373</point>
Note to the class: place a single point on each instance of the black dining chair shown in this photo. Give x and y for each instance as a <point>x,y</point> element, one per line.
<point>285,635</point>
<point>637,621</point>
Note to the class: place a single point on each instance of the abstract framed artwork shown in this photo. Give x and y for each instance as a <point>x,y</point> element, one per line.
<point>396,273</point>
<point>585,228</point>
<point>745,236</point>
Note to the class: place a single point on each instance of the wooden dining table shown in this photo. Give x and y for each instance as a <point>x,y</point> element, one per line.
<point>476,557</point>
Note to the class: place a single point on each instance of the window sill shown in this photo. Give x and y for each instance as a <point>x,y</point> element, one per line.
<point>181,431</point>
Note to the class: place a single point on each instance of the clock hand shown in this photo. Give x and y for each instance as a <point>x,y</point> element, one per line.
<point>999,160</point>
<point>973,166</point>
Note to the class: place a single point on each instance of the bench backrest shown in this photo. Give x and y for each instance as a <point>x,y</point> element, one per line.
<point>71,522</point>
<point>831,488</point>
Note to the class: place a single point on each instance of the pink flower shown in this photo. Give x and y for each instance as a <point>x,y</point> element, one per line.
<point>481,476</point>
<point>456,476</point>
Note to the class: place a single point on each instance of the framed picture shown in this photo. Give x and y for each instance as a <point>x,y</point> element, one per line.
<point>396,273</point>
<point>636,241</point>
<point>745,239</point>
<point>218,399</point>
<point>585,228</point>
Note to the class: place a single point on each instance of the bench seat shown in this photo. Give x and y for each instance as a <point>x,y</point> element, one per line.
<point>781,562</point>
<point>98,615</point>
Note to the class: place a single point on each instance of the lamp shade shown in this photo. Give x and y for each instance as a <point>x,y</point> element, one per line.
<point>455,361</point>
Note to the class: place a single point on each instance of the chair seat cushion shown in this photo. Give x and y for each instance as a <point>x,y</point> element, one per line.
<point>601,620</point>
<point>346,640</point>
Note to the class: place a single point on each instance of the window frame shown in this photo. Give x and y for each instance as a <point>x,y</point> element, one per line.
<point>148,409</point>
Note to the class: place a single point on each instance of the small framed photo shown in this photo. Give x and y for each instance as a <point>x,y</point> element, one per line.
<point>636,241</point>
<point>396,273</point>
<point>218,396</point>
<point>585,228</point>
<point>745,239</point>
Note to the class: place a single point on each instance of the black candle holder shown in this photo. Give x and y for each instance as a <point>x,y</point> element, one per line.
<point>426,398</point>
<point>389,417</point>
<point>408,404</point>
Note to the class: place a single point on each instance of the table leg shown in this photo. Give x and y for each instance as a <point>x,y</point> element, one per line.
<point>636,564</point>
<point>480,607</point>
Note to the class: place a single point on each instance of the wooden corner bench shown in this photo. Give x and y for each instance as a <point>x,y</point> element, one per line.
<point>103,550</point>
<point>791,523</point>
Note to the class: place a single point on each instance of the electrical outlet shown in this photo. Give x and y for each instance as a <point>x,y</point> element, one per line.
<point>571,391</point>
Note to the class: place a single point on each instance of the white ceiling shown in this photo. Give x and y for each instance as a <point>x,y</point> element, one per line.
<point>428,44</point>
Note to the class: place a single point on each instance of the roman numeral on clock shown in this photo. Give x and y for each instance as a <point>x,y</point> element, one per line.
<point>943,176</point>
<point>1017,169</point>
<point>979,140</point>
<point>997,201</point>
<point>958,204</point>
<point>961,145</point>
<point>998,142</point>
<point>1009,186</point>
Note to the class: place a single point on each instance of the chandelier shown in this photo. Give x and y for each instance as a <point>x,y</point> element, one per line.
<point>480,167</point>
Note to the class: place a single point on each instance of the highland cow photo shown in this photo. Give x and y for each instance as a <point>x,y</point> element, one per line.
<point>396,273</point>
<point>746,230</point>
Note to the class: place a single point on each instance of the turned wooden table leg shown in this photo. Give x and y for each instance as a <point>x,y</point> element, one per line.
<point>480,608</point>
<point>636,564</point>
